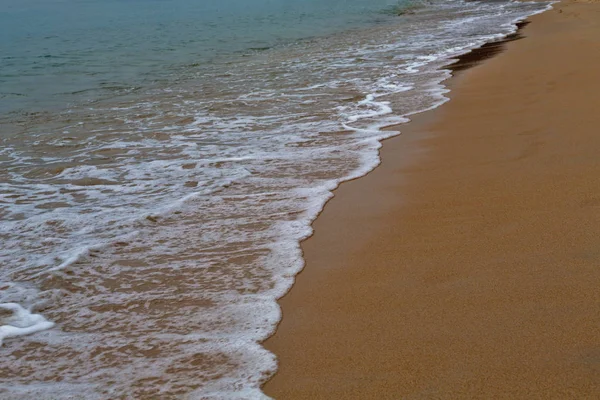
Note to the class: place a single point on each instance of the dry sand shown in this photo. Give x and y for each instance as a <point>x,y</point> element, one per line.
<point>468,264</point>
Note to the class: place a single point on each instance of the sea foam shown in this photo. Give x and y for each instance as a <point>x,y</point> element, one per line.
<point>20,322</point>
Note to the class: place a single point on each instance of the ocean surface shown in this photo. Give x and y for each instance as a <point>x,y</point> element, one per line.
<point>161,160</point>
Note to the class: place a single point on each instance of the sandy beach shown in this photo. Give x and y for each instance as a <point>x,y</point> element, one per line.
<point>468,264</point>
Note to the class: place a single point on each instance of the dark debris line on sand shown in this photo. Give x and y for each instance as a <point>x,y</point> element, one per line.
<point>488,50</point>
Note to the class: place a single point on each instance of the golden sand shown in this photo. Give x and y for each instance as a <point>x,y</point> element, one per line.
<point>468,264</point>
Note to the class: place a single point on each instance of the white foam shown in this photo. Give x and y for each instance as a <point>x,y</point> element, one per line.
<point>21,322</point>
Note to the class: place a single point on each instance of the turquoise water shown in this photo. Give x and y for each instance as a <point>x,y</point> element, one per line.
<point>55,52</point>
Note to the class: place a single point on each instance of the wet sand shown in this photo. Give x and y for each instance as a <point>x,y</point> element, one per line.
<point>468,264</point>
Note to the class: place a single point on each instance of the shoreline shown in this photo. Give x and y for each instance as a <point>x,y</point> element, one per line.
<point>399,328</point>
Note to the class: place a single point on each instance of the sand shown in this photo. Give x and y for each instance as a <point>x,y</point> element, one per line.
<point>468,264</point>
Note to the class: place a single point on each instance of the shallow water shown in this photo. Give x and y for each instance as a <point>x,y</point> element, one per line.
<point>149,224</point>
<point>56,52</point>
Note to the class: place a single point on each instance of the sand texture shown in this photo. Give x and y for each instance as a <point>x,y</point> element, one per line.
<point>468,264</point>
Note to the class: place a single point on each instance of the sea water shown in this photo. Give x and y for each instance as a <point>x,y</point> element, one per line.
<point>161,160</point>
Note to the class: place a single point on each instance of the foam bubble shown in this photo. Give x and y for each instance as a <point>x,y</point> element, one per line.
<point>21,322</point>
